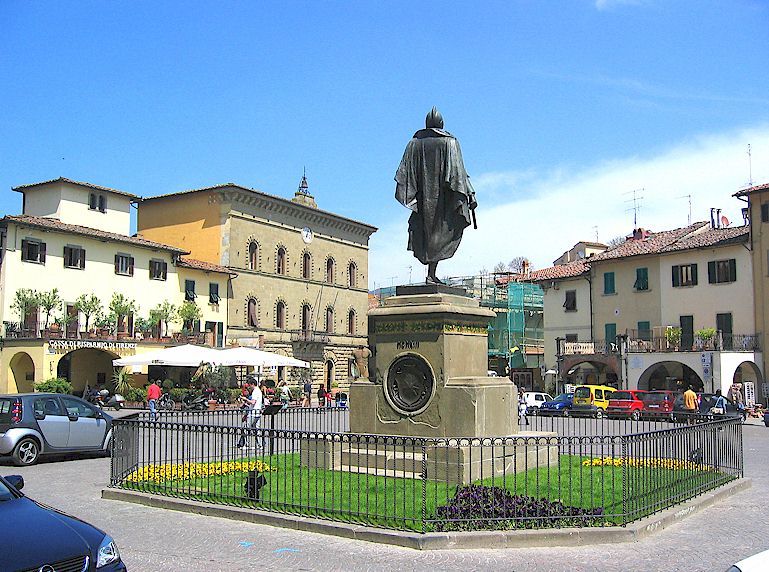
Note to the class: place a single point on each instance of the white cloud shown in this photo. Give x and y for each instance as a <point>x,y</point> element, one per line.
<point>608,4</point>
<point>542,215</point>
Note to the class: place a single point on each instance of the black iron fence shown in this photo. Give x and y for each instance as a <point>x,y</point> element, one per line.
<point>569,474</point>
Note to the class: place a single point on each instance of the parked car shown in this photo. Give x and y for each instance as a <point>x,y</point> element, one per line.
<point>558,406</point>
<point>34,424</point>
<point>626,404</point>
<point>42,538</point>
<point>706,402</point>
<point>658,404</point>
<point>756,563</point>
<point>591,400</point>
<point>534,400</point>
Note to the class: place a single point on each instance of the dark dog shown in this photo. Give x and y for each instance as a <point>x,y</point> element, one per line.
<point>254,483</point>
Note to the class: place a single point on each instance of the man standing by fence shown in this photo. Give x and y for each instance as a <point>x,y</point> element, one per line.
<point>252,419</point>
<point>690,404</point>
<point>153,394</point>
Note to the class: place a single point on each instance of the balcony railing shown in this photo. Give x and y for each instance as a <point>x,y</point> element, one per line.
<point>28,331</point>
<point>587,348</point>
<point>309,336</point>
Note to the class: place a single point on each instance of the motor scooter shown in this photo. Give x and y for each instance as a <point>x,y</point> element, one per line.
<point>199,403</point>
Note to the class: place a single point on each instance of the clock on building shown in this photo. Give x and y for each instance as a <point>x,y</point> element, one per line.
<point>307,235</point>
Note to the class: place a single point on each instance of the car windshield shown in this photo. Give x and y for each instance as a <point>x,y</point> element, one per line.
<point>582,392</point>
<point>654,397</point>
<point>563,397</point>
<point>626,395</point>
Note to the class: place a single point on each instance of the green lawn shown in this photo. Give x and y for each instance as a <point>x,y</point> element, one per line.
<point>398,502</point>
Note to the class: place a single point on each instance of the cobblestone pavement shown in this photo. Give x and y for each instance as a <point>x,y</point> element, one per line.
<point>154,539</point>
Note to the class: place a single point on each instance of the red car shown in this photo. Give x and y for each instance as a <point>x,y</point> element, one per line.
<point>658,404</point>
<point>626,403</point>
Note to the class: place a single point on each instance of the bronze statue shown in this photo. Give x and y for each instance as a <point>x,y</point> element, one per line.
<point>361,354</point>
<point>432,182</point>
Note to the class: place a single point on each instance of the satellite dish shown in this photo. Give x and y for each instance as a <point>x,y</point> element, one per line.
<point>724,221</point>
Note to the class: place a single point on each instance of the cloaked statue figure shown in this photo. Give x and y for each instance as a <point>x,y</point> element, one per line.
<point>432,182</point>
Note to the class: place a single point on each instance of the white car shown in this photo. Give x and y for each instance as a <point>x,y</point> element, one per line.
<point>534,399</point>
<point>756,563</point>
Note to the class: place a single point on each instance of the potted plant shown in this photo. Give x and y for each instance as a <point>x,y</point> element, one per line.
<point>706,336</point>
<point>120,308</point>
<point>189,313</point>
<point>673,337</point>
<point>48,301</point>
<point>162,314</point>
<point>25,303</point>
<point>88,305</point>
<point>121,379</point>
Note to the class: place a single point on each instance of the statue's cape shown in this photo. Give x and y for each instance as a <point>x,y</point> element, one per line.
<point>432,182</point>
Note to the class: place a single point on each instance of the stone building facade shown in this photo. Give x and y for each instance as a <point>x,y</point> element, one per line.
<point>301,288</point>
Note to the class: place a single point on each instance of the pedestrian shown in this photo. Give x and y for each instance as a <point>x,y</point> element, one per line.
<point>153,394</point>
<point>719,407</point>
<point>285,394</point>
<point>321,395</point>
<point>329,398</point>
<point>307,394</point>
<point>254,404</point>
<point>690,404</point>
<point>522,409</point>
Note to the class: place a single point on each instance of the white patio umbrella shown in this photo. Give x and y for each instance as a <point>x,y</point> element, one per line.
<point>257,358</point>
<point>186,355</point>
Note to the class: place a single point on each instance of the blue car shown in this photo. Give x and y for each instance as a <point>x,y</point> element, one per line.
<point>37,537</point>
<point>558,406</point>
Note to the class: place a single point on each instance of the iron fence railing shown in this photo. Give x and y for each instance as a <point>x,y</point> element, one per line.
<point>652,341</point>
<point>570,474</point>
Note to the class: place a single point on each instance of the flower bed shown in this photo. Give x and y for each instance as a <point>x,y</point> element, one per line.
<point>184,471</point>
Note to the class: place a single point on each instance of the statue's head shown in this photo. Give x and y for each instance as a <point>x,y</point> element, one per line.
<point>434,119</point>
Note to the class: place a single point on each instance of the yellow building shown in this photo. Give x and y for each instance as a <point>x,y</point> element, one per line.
<point>757,199</point>
<point>302,272</point>
<point>74,237</point>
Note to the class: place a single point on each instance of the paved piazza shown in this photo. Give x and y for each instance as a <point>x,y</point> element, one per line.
<point>153,539</point>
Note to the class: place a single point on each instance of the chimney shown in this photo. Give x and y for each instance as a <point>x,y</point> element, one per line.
<point>712,221</point>
<point>718,218</point>
<point>745,216</point>
<point>525,267</point>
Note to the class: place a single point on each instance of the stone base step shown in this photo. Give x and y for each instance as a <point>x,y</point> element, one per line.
<point>380,472</point>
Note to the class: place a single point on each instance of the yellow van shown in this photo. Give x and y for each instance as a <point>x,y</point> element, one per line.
<point>591,400</point>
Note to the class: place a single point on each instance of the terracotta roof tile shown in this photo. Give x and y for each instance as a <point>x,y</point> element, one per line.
<point>21,188</point>
<point>560,271</point>
<point>54,224</point>
<point>753,189</point>
<point>203,265</point>
<point>653,244</point>
<point>711,237</point>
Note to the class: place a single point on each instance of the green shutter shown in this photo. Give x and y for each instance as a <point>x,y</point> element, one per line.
<point>608,282</point>
<point>676,276</point>
<point>610,332</point>
<point>712,272</point>
<point>644,330</point>
<point>732,270</point>
<point>694,274</point>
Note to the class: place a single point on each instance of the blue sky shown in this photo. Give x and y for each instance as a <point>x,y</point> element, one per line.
<point>561,108</point>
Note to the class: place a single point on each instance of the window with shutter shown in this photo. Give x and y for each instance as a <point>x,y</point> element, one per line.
<point>74,257</point>
<point>641,279</point>
<point>253,317</point>
<point>213,293</point>
<point>92,201</point>
<point>644,331</point>
<point>765,212</point>
<point>685,275</point>
<point>570,303</point>
<point>158,270</point>
<point>33,251</point>
<point>123,265</point>
<point>189,290</point>
<point>608,283</point>
<point>722,271</point>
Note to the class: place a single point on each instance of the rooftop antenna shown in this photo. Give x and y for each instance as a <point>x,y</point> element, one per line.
<point>595,228</point>
<point>690,205</point>
<point>636,200</point>
<point>750,167</point>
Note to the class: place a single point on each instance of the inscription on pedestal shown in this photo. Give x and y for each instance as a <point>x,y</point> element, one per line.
<point>407,345</point>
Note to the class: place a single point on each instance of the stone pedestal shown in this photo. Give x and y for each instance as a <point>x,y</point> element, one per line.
<point>429,371</point>
<point>430,399</point>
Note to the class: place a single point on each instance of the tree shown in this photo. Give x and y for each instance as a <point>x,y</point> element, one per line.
<point>121,379</point>
<point>518,263</point>
<point>48,301</point>
<point>120,307</point>
<point>500,267</point>
<point>164,313</point>
<point>189,312</point>
<point>616,241</point>
<point>24,301</point>
<point>88,305</point>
